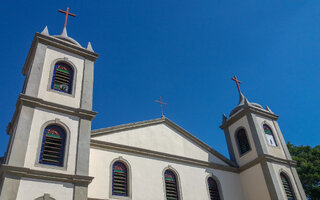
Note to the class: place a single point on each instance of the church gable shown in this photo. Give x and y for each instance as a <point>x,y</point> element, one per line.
<point>160,135</point>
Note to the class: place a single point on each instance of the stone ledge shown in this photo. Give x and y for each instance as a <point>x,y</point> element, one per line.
<point>44,175</point>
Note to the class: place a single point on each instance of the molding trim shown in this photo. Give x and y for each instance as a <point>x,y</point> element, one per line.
<point>167,122</point>
<point>56,42</point>
<point>268,158</point>
<point>242,112</point>
<point>129,178</point>
<point>37,102</point>
<point>155,154</point>
<point>45,175</point>
<point>67,131</point>
<point>211,175</point>
<point>178,182</point>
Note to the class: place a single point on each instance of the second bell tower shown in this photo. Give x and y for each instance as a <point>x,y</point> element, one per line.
<point>257,146</point>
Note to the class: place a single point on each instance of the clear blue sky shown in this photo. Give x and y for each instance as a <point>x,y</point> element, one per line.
<point>185,51</point>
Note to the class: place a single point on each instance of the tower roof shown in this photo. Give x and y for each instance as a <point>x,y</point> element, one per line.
<point>243,102</point>
<point>64,36</point>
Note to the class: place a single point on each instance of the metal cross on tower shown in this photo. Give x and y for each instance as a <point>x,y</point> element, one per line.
<point>237,82</point>
<point>67,14</point>
<point>161,103</point>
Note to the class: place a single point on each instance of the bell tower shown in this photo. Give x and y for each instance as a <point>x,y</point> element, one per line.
<point>48,151</point>
<point>257,146</point>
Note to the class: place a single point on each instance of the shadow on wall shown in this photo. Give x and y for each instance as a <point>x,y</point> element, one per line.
<point>1,160</point>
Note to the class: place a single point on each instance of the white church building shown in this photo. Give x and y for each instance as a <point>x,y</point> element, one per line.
<point>54,155</point>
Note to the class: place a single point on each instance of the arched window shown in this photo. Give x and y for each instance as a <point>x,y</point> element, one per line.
<point>171,185</point>
<point>243,141</point>
<point>287,186</point>
<point>213,189</point>
<point>62,78</point>
<point>119,179</point>
<point>269,135</point>
<point>53,145</point>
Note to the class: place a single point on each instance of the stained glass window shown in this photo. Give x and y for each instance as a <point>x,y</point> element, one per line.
<point>243,142</point>
<point>119,179</point>
<point>213,189</point>
<point>171,185</point>
<point>269,135</point>
<point>287,187</point>
<point>62,78</point>
<point>53,145</point>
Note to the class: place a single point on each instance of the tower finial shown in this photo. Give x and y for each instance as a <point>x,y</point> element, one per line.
<point>45,31</point>
<point>67,14</point>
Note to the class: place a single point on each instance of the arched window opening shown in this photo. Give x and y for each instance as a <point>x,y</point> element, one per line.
<point>269,135</point>
<point>287,186</point>
<point>243,141</point>
<point>213,189</point>
<point>62,78</point>
<point>53,145</point>
<point>171,185</point>
<point>119,179</point>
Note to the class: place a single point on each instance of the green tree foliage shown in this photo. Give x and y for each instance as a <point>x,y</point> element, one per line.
<point>308,168</point>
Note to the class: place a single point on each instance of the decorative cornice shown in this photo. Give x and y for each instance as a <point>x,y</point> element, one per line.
<point>40,103</point>
<point>165,156</point>
<point>58,43</point>
<point>155,154</point>
<point>45,175</point>
<point>245,110</point>
<point>168,122</point>
<point>268,158</point>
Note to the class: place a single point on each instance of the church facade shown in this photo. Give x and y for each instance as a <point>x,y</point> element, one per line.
<point>54,155</point>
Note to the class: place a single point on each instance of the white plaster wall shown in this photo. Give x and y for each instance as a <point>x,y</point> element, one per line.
<point>54,96</point>
<point>40,117</point>
<point>147,178</point>
<point>275,151</point>
<point>57,190</point>
<point>253,184</point>
<point>160,138</point>
<point>281,167</point>
<point>249,156</point>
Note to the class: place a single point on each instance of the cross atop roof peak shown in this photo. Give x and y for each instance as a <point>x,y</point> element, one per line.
<point>67,14</point>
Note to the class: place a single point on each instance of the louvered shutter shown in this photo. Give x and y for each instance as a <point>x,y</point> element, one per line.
<point>52,148</point>
<point>213,189</point>
<point>171,185</point>
<point>120,179</point>
<point>62,78</point>
<point>243,141</point>
<point>287,186</point>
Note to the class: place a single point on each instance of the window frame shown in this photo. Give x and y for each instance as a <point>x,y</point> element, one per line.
<point>218,184</point>
<point>275,138</point>
<point>238,144</point>
<point>290,184</point>
<point>129,179</point>
<point>56,122</point>
<point>178,180</point>
<point>66,61</point>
